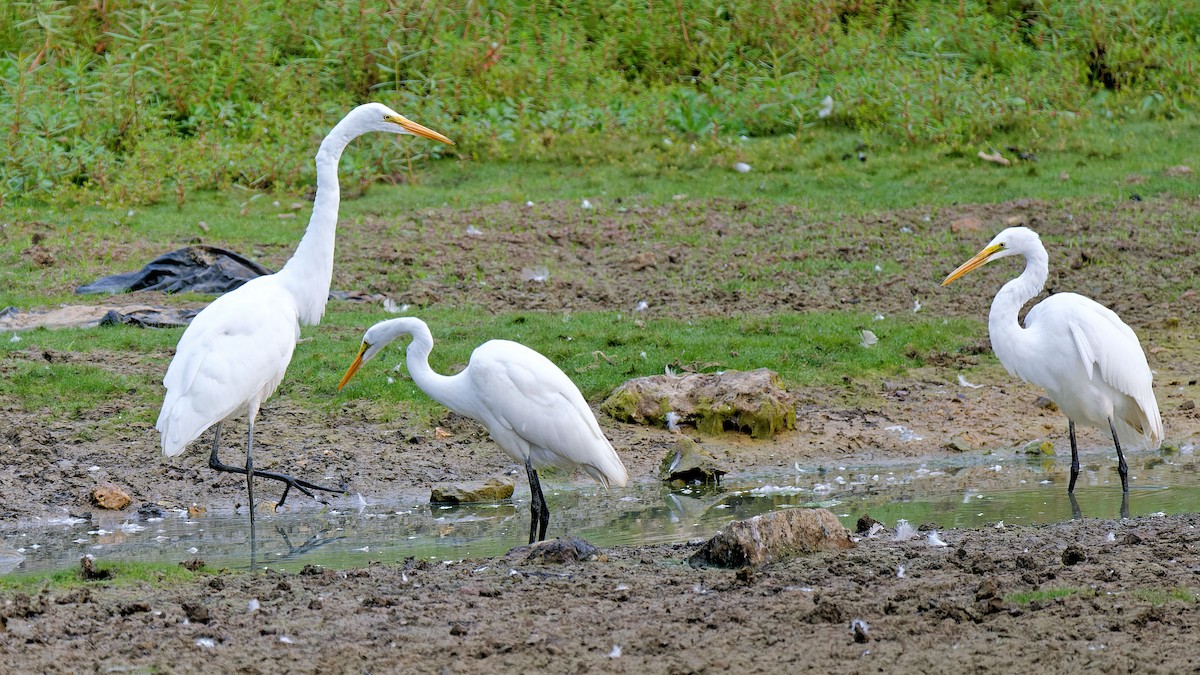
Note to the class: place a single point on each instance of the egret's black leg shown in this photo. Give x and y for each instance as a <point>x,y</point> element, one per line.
<point>1074,456</point>
<point>1124,504</point>
<point>1122,467</point>
<point>539,512</point>
<point>1076,514</point>
<point>304,486</point>
<point>250,470</point>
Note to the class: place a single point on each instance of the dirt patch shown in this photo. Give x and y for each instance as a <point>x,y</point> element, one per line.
<point>956,608</point>
<point>1090,593</point>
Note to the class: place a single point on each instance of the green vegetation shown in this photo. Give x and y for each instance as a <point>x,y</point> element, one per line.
<point>143,102</point>
<point>110,573</point>
<point>599,350</point>
<point>1047,594</point>
<point>1161,596</point>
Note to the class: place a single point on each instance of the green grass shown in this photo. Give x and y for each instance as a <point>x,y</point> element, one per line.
<point>1047,594</point>
<point>144,102</point>
<point>121,574</point>
<point>1161,596</point>
<point>598,350</point>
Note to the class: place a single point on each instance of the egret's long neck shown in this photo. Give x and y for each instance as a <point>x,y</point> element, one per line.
<point>1006,331</point>
<point>447,390</point>
<point>310,270</point>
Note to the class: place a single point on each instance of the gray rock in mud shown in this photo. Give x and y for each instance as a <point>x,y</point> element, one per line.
<point>560,550</point>
<point>772,537</point>
<point>691,464</point>
<point>754,401</point>
<point>493,489</point>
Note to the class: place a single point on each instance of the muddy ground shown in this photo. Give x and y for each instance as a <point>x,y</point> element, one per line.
<point>956,608</point>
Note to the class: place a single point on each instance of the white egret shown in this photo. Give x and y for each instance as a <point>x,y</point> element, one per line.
<point>530,407</point>
<point>235,352</point>
<point>1079,351</point>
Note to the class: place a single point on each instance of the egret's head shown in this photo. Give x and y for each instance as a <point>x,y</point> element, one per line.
<point>374,340</point>
<point>379,117</point>
<point>1013,241</point>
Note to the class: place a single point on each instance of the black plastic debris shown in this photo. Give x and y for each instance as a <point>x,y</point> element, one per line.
<point>200,269</point>
<point>157,317</point>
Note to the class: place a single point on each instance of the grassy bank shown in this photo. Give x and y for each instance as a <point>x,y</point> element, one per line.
<point>144,102</point>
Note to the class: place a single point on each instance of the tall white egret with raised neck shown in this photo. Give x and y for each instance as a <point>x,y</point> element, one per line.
<point>532,410</point>
<point>1088,360</point>
<point>235,352</point>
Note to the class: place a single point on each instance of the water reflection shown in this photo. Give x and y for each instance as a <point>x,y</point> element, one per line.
<point>352,532</point>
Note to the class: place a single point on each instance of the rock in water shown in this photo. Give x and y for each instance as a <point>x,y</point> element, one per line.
<point>691,464</point>
<point>493,489</point>
<point>560,550</point>
<point>110,497</point>
<point>772,537</point>
<point>754,401</point>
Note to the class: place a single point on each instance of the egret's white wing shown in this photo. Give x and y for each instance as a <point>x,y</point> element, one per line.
<point>235,351</point>
<point>526,393</point>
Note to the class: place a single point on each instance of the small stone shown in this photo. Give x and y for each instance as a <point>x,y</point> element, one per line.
<point>110,497</point>
<point>957,444</point>
<point>559,551</point>
<point>494,489</point>
<point>1188,405</point>
<point>864,524</point>
<point>1046,404</point>
<point>691,464</point>
<point>195,511</point>
<point>987,589</point>
<point>1038,447</point>
<point>773,537</point>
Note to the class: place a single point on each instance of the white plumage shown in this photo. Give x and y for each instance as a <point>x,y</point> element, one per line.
<point>533,411</point>
<point>235,352</point>
<point>1088,360</point>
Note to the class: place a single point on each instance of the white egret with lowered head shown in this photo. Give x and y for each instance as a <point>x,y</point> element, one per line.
<point>1088,360</point>
<point>530,407</point>
<point>235,352</point>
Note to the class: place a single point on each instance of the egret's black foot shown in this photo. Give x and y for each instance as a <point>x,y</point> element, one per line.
<point>289,482</point>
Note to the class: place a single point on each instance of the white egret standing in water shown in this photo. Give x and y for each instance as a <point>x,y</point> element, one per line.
<point>530,407</point>
<point>235,352</point>
<point>1088,360</point>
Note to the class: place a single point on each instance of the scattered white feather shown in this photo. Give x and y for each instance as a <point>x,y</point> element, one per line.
<point>860,625</point>
<point>767,490</point>
<point>916,306</point>
<point>193,550</point>
<point>741,167</point>
<point>1110,537</point>
<point>539,274</point>
<point>878,268</point>
<point>906,434</point>
<point>14,338</point>
<point>130,527</point>
<point>962,381</point>
<point>253,606</point>
<point>673,421</point>
<point>1000,525</point>
<point>528,203</point>
<point>474,231</point>
<point>906,230</point>
<point>868,339</point>
<point>390,306</point>
<point>875,529</point>
<point>904,531</point>
<point>207,643</point>
<point>900,571</point>
<point>287,640</point>
<point>667,142</point>
<point>615,653</point>
<point>826,107</point>
<point>641,306</point>
<point>878,317</point>
<point>935,541</point>
<point>585,204</point>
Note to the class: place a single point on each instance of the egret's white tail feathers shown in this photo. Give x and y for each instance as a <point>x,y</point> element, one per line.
<point>608,472</point>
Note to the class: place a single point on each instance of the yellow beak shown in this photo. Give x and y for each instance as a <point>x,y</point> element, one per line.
<point>418,130</point>
<point>976,261</point>
<point>358,361</point>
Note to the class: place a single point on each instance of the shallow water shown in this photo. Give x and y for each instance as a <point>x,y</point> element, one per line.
<point>355,531</point>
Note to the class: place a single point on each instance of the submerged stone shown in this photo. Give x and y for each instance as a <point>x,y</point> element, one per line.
<point>560,550</point>
<point>772,537</point>
<point>1038,447</point>
<point>110,497</point>
<point>691,464</point>
<point>753,401</point>
<point>493,489</point>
